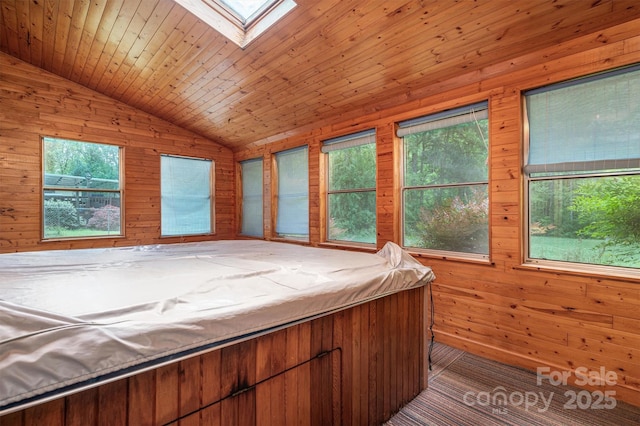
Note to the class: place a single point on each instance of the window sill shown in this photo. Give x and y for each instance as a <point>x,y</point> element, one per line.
<point>479,260</point>
<point>303,242</point>
<point>80,238</point>
<point>349,246</point>
<point>591,271</point>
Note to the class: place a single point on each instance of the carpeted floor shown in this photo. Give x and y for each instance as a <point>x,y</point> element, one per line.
<point>465,389</point>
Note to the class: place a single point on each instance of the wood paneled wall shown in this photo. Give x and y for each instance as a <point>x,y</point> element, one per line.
<point>35,103</point>
<point>502,309</point>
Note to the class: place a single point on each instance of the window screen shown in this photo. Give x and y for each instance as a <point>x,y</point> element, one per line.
<point>82,189</point>
<point>351,187</point>
<point>445,197</point>
<point>585,125</point>
<point>582,171</point>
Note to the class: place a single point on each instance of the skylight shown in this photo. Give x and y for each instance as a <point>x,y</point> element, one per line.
<point>246,8</point>
<point>241,21</point>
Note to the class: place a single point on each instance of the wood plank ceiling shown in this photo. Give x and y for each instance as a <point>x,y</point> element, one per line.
<point>326,61</point>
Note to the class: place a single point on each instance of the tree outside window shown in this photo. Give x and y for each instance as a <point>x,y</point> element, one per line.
<point>82,190</point>
<point>351,187</point>
<point>582,171</point>
<point>445,181</point>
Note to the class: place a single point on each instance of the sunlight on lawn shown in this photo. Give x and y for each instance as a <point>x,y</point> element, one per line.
<point>584,251</point>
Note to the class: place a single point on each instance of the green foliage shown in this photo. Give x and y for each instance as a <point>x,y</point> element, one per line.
<point>449,155</point>
<point>60,214</point>
<point>438,216</point>
<point>81,158</point>
<point>353,214</point>
<point>602,213</point>
<point>457,224</point>
<point>609,209</point>
<point>550,202</point>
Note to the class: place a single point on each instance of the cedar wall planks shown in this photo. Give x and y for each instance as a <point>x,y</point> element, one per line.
<point>503,310</point>
<point>35,103</point>
<point>353,367</point>
<point>500,310</point>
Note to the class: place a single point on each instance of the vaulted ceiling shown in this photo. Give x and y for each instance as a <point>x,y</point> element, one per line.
<point>325,61</point>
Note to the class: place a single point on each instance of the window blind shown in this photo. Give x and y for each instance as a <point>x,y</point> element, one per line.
<point>452,117</point>
<point>349,141</point>
<point>293,192</point>
<point>252,197</point>
<point>186,195</point>
<point>588,124</point>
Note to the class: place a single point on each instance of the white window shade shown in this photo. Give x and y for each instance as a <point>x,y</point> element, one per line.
<point>186,188</point>
<point>293,192</point>
<point>587,125</point>
<point>252,197</point>
<point>466,114</point>
<point>349,141</point>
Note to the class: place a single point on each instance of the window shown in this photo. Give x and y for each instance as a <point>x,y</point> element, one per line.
<point>251,177</point>
<point>292,197</point>
<point>445,202</point>
<point>82,189</point>
<point>582,171</point>
<point>186,186</point>
<point>351,187</point>
<point>241,21</point>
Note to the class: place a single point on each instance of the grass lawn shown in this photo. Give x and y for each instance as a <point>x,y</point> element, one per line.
<point>76,233</point>
<point>584,251</point>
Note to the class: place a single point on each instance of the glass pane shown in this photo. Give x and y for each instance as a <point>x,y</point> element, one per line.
<point>69,214</point>
<point>252,198</point>
<point>246,8</point>
<point>451,219</point>
<point>352,217</point>
<point>586,220</point>
<point>586,122</point>
<point>186,196</point>
<point>454,154</point>
<point>72,164</point>
<point>293,193</point>
<point>352,168</point>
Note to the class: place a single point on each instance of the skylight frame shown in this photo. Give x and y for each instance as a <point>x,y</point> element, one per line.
<point>221,17</point>
<point>245,21</point>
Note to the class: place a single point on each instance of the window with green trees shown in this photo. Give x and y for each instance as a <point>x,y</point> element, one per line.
<point>445,199</point>
<point>81,189</point>
<point>582,170</point>
<point>351,187</point>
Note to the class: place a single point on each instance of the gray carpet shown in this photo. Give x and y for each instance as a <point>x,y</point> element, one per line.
<point>464,389</point>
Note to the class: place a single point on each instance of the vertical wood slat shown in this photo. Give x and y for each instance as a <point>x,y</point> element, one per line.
<point>229,384</point>
<point>13,419</point>
<point>190,379</point>
<point>210,370</point>
<point>50,413</point>
<point>142,392</point>
<point>364,364</point>
<point>291,378</point>
<point>112,403</point>
<point>305,391</point>
<point>278,366</point>
<point>166,403</point>
<point>81,408</point>
<point>347,368</point>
